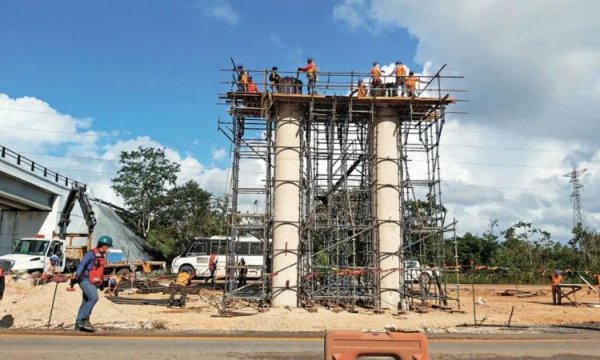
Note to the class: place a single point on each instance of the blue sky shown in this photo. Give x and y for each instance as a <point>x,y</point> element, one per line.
<point>152,67</point>
<point>81,81</point>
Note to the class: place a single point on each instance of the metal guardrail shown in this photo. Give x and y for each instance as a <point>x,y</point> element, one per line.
<point>39,170</point>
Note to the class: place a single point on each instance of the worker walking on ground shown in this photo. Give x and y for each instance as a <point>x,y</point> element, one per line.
<point>400,72</point>
<point>555,280</point>
<point>242,80</point>
<point>180,286</point>
<point>212,267</point>
<point>274,79</point>
<point>596,278</point>
<point>90,276</point>
<point>251,86</point>
<point>311,74</point>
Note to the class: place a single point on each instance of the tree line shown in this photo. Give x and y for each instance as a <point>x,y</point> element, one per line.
<point>168,216</point>
<point>165,214</point>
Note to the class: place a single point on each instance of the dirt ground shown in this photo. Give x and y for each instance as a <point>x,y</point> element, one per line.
<point>28,307</point>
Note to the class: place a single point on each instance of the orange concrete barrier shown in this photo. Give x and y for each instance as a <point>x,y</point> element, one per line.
<point>351,345</point>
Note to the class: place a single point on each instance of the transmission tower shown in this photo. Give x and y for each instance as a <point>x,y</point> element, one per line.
<point>576,195</point>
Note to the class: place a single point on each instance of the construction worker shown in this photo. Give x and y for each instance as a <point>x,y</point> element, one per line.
<point>212,267</point>
<point>274,79</point>
<point>311,74</point>
<point>596,278</point>
<point>146,266</point>
<point>251,86</point>
<point>242,79</point>
<point>243,275</point>
<point>48,274</point>
<point>555,280</point>
<point>179,286</point>
<point>90,276</point>
<point>411,84</point>
<point>400,72</point>
<point>361,89</point>
<point>375,78</point>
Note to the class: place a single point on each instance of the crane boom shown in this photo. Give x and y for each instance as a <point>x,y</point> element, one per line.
<point>77,194</point>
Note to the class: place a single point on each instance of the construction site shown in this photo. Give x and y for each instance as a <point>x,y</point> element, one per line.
<point>351,210</point>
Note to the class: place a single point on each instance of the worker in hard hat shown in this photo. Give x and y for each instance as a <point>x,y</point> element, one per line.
<point>411,84</point>
<point>251,86</point>
<point>361,89</point>
<point>90,276</point>
<point>400,73</point>
<point>311,74</point>
<point>376,81</point>
<point>555,280</point>
<point>274,79</point>
<point>146,266</point>
<point>242,79</point>
<point>48,273</point>
<point>184,278</point>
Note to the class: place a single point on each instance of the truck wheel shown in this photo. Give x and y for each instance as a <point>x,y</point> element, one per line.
<point>425,281</point>
<point>123,271</point>
<point>190,269</point>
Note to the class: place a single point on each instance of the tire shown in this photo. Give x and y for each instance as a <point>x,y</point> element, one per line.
<point>425,281</point>
<point>123,271</point>
<point>190,269</point>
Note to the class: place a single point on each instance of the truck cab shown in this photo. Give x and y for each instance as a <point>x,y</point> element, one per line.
<point>33,254</point>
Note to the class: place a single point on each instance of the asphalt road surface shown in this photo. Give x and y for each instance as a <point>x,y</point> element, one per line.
<point>65,347</point>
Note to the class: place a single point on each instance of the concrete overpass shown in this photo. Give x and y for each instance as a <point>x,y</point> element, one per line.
<point>31,198</point>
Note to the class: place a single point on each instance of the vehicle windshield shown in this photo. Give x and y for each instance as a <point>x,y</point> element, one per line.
<point>31,247</point>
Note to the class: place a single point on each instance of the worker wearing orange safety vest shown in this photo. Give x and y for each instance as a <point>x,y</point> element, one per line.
<point>361,90</point>
<point>90,276</point>
<point>183,279</point>
<point>411,84</point>
<point>375,75</point>
<point>251,86</point>
<point>400,72</point>
<point>555,280</point>
<point>242,80</point>
<point>311,74</point>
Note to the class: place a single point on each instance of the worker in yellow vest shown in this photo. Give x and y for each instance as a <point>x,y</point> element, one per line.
<point>184,278</point>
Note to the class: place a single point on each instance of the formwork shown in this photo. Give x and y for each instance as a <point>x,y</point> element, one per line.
<point>339,256</point>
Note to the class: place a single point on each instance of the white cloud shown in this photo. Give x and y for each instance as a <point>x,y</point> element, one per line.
<point>218,154</point>
<point>221,10</point>
<point>533,86</point>
<point>36,130</point>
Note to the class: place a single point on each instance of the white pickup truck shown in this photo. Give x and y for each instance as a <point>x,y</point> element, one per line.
<point>32,255</point>
<point>414,272</point>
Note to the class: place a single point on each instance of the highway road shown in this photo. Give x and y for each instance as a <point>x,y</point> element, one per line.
<point>125,347</point>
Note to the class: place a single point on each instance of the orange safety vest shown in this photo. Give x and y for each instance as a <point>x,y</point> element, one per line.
<point>411,81</point>
<point>555,280</point>
<point>251,87</point>
<point>183,278</point>
<point>96,274</point>
<point>400,71</point>
<point>243,77</point>
<point>376,73</point>
<point>362,91</point>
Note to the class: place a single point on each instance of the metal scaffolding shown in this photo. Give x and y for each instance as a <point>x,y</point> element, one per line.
<point>338,256</point>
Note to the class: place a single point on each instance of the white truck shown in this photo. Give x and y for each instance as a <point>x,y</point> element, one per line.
<point>414,272</point>
<point>32,255</point>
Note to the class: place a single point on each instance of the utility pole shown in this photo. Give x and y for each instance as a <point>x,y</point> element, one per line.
<point>576,195</point>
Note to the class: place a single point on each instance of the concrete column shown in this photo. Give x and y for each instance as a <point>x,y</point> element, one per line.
<point>386,203</point>
<point>286,212</point>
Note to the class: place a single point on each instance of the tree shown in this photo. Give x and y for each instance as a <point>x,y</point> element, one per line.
<point>142,182</point>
